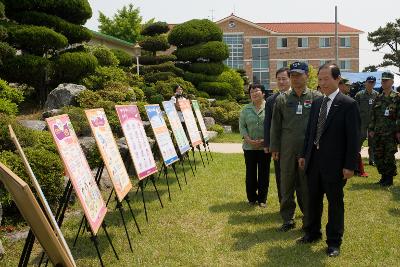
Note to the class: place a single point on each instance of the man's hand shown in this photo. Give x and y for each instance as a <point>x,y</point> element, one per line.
<point>275,155</point>
<point>371,133</point>
<point>347,174</point>
<point>302,163</point>
<point>266,150</point>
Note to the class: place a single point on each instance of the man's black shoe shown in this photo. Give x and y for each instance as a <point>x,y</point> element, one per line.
<point>287,226</point>
<point>307,239</point>
<point>333,251</point>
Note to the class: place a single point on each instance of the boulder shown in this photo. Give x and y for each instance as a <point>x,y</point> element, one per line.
<point>209,121</point>
<point>51,113</point>
<point>212,135</point>
<point>34,124</point>
<point>64,95</point>
<point>227,128</point>
<point>87,143</point>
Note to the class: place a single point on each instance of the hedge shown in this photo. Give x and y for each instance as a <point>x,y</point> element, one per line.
<point>194,32</point>
<point>37,39</point>
<point>164,67</point>
<point>103,75</point>
<point>123,57</point>
<point>154,43</point>
<point>153,60</point>
<point>8,107</point>
<point>10,93</point>
<point>215,88</point>
<point>6,51</point>
<point>71,67</point>
<point>197,78</point>
<point>211,68</point>
<point>74,33</point>
<point>2,13</point>
<point>158,76</point>
<point>235,80</point>
<point>104,55</point>
<point>214,51</point>
<point>3,32</point>
<point>155,28</point>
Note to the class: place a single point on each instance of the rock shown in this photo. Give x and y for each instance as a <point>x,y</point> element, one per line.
<point>34,124</point>
<point>212,134</point>
<point>209,121</point>
<point>51,113</point>
<point>16,236</point>
<point>87,143</point>
<point>227,128</point>
<point>64,95</point>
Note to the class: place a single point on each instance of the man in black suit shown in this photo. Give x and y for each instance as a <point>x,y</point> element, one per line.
<point>283,81</point>
<point>330,156</point>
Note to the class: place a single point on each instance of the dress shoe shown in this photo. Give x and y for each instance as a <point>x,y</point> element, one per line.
<point>333,251</point>
<point>287,226</point>
<point>307,239</point>
<point>262,205</point>
<point>252,203</point>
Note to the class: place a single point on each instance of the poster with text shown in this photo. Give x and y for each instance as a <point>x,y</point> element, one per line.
<point>136,138</point>
<point>176,126</point>
<point>190,122</point>
<point>109,151</point>
<point>200,119</point>
<point>161,133</point>
<point>78,170</point>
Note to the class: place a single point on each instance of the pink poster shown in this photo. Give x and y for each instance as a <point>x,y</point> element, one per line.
<point>78,170</point>
<point>137,141</point>
<point>109,151</point>
<point>190,122</point>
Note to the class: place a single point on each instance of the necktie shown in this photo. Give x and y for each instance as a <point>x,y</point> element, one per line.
<point>322,119</point>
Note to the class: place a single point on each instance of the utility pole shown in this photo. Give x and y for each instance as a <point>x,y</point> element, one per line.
<point>212,14</point>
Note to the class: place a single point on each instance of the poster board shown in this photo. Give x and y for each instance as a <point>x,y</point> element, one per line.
<point>34,216</point>
<point>176,126</point>
<point>41,196</point>
<point>161,133</point>
<point>109,151</point>
<point>190,122</point>
<point>78,170</point>
<point>200,119</point>
<point>136,139</point>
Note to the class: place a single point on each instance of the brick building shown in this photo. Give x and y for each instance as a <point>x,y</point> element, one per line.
<point>262,48</point>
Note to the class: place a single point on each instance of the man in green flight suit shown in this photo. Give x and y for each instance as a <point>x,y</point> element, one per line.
<point>385,129</point>
<point>289,123</point>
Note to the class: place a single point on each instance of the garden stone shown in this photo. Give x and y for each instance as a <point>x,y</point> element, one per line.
<point>34,124</point>
<point>51,113</point>
<point>16,236</point>
<point>209,121</point>
<point>87,143</point>
<point>212,134</point>
<point>227,128</point>
<point>64,95</point>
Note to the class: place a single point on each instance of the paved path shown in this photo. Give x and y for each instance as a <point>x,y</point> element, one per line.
<point>237,148</point>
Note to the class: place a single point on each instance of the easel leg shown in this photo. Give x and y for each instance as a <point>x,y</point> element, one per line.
<point>166,177</point>
<point>109,197</point>
<point>26,252</point>
<point>103,225</point>
<point>144,202</point>
<point>205,150</point>
<point>190,164</point>
<point>155,187</point>
<point>133,215</point>
<point>194,159</point>
<point>176,175</point>
<point>208,146</point>
<point>80,227</point>
<point>96,245</point>
<point>198,147</point>
<point>183,168</point>
<point>121,212</point>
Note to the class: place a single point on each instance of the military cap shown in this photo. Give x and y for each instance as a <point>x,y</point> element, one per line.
<point>371,78</point>
<point>300,67</point>
<point>387,75</point>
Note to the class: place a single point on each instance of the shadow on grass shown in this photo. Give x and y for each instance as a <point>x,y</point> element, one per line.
<point>232,207</point>
<point>263,218</point>
<point>365,186</point>
<point>395,190</point>
<point>394,212</point>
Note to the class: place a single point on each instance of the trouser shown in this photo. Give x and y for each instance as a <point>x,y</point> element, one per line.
<point>318,185</point>
<point>385,149</point>
<point>292,180</point>
<point>277,169</point>
<point>257,175</point>
<point>365,135</point>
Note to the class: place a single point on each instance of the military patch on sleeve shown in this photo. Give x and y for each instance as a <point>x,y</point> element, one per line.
<point>307,103</point>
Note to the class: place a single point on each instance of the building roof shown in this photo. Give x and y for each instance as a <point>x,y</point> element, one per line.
<point>112,38</point>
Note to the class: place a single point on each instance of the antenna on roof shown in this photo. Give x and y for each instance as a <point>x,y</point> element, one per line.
<point>212,14</point>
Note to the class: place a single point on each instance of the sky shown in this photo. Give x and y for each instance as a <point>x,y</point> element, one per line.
<point>364,15</point>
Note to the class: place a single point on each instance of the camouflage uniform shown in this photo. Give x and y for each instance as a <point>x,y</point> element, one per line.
<point>385,123</point>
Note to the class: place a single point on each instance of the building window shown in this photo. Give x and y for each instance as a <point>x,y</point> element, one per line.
<point>324,42</point>
<point>345,65</point>
<point>282,42</point>
<point>260,62</point>
<point>324,61</point>
<point>281,64</point>
<point>302,42</point>
<point>344,42</point>
<point>235,45</point>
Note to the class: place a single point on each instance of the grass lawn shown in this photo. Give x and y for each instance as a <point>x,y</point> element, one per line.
<point>228,138</point>
<point>209,223</point>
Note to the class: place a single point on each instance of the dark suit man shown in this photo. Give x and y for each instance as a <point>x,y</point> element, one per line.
<point>283,81</point>
<point>330,156</point>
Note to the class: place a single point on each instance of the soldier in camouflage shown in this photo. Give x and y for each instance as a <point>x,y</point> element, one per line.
<point>385,129</point>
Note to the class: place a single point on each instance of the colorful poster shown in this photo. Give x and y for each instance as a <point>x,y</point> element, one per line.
<point>176,126</point>
<point>190,122</point>
<point>109,151</point>
<point>161,133</point>
<point>200,119</point>
<point>78,170</point>
<point>137,141</point>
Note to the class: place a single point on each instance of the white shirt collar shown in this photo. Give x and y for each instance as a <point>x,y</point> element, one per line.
<point>333,95</point>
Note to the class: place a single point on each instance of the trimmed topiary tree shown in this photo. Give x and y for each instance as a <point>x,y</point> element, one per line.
<point>125,60</point>
<point>71,67</point>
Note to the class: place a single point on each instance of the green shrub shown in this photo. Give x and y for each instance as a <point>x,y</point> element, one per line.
<point>113,96</point>
<point>104,55</point>
<point>88,99</point>
<point>6,51</point>
<point>197,78</point>
<point>10,93</point>
<point>154,60</point>
<point>158,76</point>
<point>36,39</point>
<point>217,128</point>
<point>127,92</point>
<point>71,67</point>
<point>2,13</point>
<point>213,68</point>
<point>193,32</point>
<point>155,28</point>
<point>123,57</point>
<point>149,91</point>
<point>233,78</point>
<point>139,94</point>
<point>164,67</point>
<point>8,107</point>
<point>102,75</point>
<point>213,51</point>
<point>74,33</point>
<point>215,88</point>
<point>3,33</point>
<point>78,120</point>
<point>202,94</point>
<point>154,43</point>
<point>156,99</point>
<point>188,87</point>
